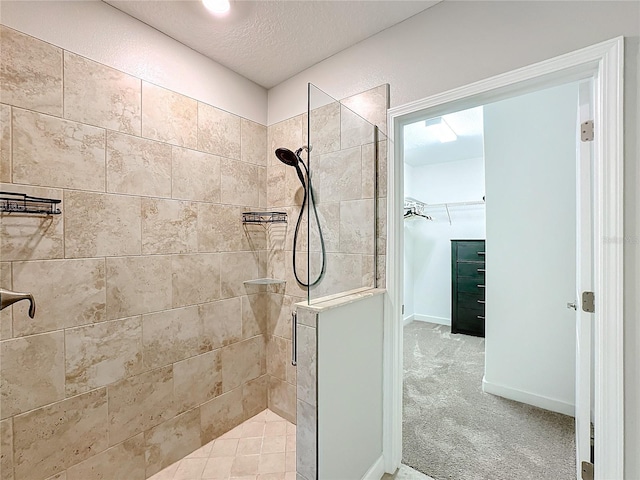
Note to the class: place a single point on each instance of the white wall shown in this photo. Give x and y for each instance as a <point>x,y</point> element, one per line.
<point>428,243</point>
<point>103,33</point>
<point>530,158</point>
<point>455,43</point>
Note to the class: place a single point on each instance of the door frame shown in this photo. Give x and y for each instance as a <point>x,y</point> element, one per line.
<point>603,63</point>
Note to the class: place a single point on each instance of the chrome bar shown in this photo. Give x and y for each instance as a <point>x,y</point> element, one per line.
<point>480,317</point>
<point>480,286</point>
<point>294,339</point>
<point>481,301</point>
<point>481,270</point>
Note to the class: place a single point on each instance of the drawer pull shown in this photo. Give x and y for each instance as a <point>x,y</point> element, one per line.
<point>480,317</point>
<point>481,270</point>
<point>480,286</point>
<point>480,253</point>
<point>481,301</point>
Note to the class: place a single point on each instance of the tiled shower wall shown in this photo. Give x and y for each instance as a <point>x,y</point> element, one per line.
<point>343,173</point>
<point>146,344</point>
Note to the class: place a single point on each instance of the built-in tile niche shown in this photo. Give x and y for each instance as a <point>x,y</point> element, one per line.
<point>146,343</point>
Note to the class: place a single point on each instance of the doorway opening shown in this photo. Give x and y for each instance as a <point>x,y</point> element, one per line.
<point>490,266</point>
<point>602,64</point>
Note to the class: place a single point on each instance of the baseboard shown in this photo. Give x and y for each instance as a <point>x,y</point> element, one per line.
<point>521,396</point>
<point>431,319</point>
<point>376,471</point>
<point>407,320</point>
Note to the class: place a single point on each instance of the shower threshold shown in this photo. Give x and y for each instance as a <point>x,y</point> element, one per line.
<point>261,448</point>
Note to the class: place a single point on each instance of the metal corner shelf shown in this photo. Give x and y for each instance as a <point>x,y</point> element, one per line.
<point>11,202</point>
<point>264,217</point>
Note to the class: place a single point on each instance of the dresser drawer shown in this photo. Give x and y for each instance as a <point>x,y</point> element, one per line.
<point>470,300</point>
<point>471,285</point>
<point>469,321</point>
<point>470,251</point>
<point>471,270</point>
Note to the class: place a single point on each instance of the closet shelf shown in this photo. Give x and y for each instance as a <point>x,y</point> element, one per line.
<point>11,202</point>
<point>264,217</point>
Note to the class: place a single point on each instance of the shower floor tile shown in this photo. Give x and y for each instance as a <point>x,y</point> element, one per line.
<point>261,448</point>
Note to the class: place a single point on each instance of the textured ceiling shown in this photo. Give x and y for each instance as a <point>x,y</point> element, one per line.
<point>270,41</point>
<point>421,148</point>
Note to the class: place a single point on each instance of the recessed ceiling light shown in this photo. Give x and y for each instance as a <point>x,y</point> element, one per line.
<point>441,129</point>
<point>217,6</point>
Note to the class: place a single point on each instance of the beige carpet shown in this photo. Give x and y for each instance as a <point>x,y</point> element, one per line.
<point>452,430</point>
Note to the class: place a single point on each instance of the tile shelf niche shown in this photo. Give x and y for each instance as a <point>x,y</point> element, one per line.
<point>264,281</point>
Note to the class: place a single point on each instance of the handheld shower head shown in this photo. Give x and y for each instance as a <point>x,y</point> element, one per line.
<point>287,157</point>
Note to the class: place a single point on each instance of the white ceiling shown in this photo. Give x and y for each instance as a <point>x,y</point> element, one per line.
<point>423,148</point>
<point>271,41</point>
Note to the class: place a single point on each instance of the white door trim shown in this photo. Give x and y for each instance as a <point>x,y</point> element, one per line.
<point>604,63</point>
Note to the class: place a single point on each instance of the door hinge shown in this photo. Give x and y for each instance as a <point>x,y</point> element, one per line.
<point>586,131</point>
<point>402,309</point>
<point>588,302</point>
<point>587,471</point>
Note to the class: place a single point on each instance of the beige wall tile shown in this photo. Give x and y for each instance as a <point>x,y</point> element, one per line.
<point>278,356</point>
<point>6,315</point>
<point>123,461</point>
<point>222,321</point>
<point>307,366</point>
<point>282,398</point>
<point>218,131</point>
<point>382,169</point>
<point>172,440</point>
<point>221,414</point>
<point>99,95</point>
<point>168,116</point>
<point>344,272</point>
<point>354,130</point>
<point>138,285</point>
<point>242,361</point>
<point>173,335</point>
<point>235,268</point>
<point>51,439</point>
<point>139,403</point>
<point>5,143</point>
<point>68,293</point>
<point>253,142</point>
<point>52,152</point>
<point>195,175</point>
<point>220,229</point>
<point>31,372</point>
<point>280,309</point>
<point>31,237</point>
<point>101,354</point>
<point>6,449</point>
<point>195,278</point>
<point>357,223</point>
<point>368,170</point>
<point>239,182</point>
<point>329,215</point>
<point>169,226</point>
<point>372,105</point>
<point>138,166</point>
<point>324,128</point>
<point>338,176</point>
<point>285,134</point>
<point>277,196</point>
<point>100,224</point>
<point>30,73</point>
<point>197,380</point>
<point>306,440</point>
<point>254,315</point>
<point>254,396</point>
<point>262,187</point>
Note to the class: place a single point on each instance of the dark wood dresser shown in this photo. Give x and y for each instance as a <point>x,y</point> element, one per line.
<point>467,287</point>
